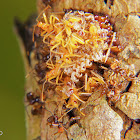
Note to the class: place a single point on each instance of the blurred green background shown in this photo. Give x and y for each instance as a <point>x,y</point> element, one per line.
<point>12,78</point>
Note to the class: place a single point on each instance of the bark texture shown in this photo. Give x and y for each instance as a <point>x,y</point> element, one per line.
<point>120,121</point>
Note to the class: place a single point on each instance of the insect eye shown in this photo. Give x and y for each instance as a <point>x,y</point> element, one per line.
<point>37,99</point>
<point>29,96</point>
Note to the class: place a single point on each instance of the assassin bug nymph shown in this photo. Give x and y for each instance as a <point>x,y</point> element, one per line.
<point>79,43</point>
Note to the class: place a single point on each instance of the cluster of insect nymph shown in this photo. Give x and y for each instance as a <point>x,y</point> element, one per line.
<point>77,54</point>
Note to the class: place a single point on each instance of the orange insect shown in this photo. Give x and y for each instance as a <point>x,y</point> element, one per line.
<point>47,27</point>
<point>54,121</point>
<point>69,91</point>
<point>54,73</point>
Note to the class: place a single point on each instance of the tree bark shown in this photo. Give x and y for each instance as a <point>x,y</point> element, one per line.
<point>101,121</point>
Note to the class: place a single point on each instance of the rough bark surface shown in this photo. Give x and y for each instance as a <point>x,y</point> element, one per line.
<point>101,121</point>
